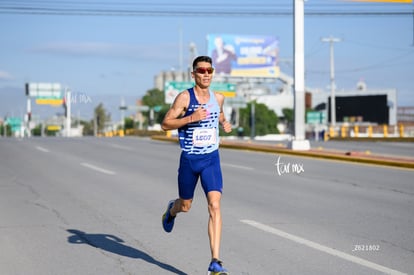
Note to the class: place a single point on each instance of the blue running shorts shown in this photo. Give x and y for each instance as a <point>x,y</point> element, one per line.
<point>203,166</point>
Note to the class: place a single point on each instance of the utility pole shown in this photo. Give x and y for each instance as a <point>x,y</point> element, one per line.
<point>253,120</point>
<point>331,41</point>
<point>29,115</point>
<point>122,108</point>
<point>68,111</point>
<point>193,55</point>
<point>180,49</point>
<point>299,142</point>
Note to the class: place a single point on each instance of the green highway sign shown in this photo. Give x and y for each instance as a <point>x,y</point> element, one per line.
<point>315,117</point>
<point>236,102</point>
<point>15,123</point>
<point>45,93</point>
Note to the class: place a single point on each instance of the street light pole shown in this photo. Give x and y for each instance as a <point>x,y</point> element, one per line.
<point>331,40</point>
<point>68,112</point>
<point>299,142</point>
<point>29,115</point>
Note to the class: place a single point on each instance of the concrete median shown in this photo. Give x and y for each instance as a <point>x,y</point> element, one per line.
<point>350,156</point>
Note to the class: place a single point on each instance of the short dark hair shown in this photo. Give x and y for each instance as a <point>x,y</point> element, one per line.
<point>202,58</point>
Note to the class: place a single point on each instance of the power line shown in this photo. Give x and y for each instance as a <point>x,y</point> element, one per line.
<point>89,8</point>
<point>217,3</point>
<point>75,12</point>
<point>373,46</point>
<point>390,62</point>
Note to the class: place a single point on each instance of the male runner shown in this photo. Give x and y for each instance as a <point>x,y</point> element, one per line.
<point>196,113</point>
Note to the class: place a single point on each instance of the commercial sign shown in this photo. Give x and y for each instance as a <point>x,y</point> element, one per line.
<point>245,56</point>
<point>173,88</point>
<point>45,93</point>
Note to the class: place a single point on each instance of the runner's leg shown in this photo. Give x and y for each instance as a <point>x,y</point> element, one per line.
<point>181,205</point>
<point>214,222</point>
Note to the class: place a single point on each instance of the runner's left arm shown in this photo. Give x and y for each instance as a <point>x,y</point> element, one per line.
<point>222,119</point>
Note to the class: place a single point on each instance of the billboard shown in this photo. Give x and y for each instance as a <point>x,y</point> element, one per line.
<point>244,55</point>
<point>173,88</point>
<point>362,108</point>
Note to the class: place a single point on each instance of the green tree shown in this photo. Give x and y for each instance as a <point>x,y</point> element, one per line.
<point>5,128</point>
<point>153,97</point>
<point>37,131</point>
<point>101,117</point>
<point>87,127</point>
<point>265,120</point>
<point>288,114</point>
<point>288,118</point>
<point>128,123</point>
<point>161,114</point>
<point>156,98</point>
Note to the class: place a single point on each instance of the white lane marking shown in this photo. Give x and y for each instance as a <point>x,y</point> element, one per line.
<point>237,166</point>
<point>99,169</point>
<point>42,149</point>
<point>322,248</point>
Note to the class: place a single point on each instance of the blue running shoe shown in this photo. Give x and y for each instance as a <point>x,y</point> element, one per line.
<point>167,219</point>
<point>216,268</point>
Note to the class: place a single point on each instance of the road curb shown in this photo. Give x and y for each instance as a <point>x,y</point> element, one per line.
<point>313,153</point>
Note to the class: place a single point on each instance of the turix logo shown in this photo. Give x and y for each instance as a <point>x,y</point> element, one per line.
<point>287,168</point>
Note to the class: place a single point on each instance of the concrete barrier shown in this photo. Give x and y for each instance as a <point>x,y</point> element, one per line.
<point>313,153</point>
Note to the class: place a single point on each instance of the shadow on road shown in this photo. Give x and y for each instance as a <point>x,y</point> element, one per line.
<point>115,245</point>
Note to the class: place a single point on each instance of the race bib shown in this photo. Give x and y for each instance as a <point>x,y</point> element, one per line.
<point>204,136</point>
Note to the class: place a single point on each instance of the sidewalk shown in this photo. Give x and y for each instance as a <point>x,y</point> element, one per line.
<point>353,156</point>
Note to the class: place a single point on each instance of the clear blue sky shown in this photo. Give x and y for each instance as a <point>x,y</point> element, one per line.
<point>120,54</point>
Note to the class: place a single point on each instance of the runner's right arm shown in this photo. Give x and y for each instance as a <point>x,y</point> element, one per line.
<point>174,117</point>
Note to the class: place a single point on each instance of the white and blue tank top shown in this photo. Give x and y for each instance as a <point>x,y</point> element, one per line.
<point>201,137</point>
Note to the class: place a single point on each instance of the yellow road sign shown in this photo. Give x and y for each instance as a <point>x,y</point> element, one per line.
<point>53,127</point>
<point>49,101</point>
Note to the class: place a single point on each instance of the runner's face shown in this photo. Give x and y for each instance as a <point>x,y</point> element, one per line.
<point>203,80</point>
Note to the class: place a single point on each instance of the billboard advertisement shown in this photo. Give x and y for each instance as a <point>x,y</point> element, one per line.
<point>244,55</point>
<point>366,108</point>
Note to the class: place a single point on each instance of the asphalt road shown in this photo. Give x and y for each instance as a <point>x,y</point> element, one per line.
<point>94,206</point>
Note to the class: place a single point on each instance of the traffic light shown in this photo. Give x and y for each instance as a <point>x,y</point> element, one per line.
<point>65,107</point>
<point>233,117</point>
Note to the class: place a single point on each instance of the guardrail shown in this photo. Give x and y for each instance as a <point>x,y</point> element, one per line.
<point>370,131</point>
